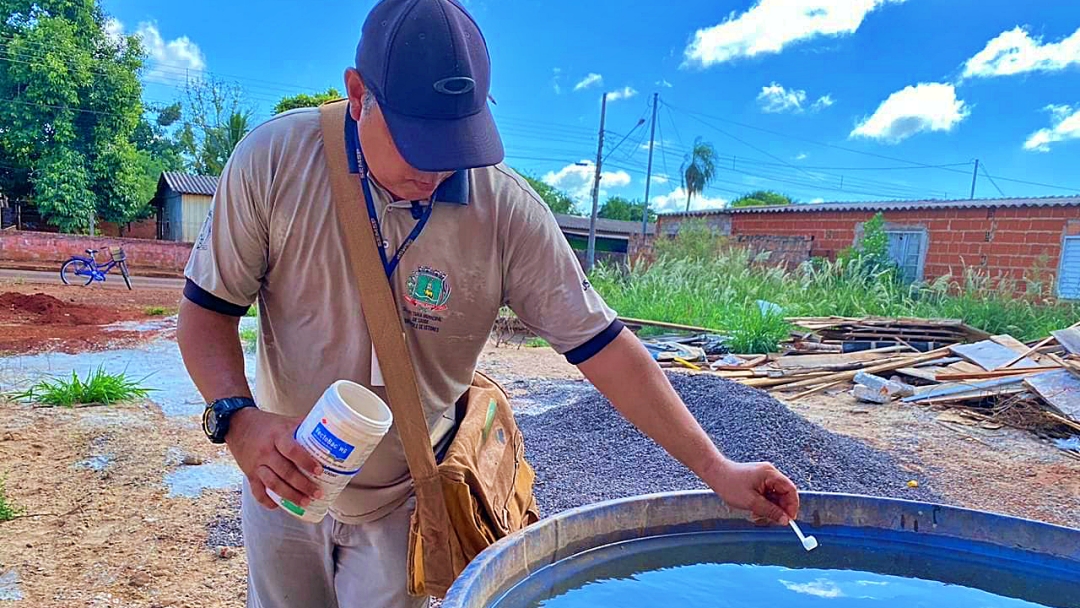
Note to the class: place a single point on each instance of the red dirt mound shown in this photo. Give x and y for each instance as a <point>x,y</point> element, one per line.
<point>44,309</point>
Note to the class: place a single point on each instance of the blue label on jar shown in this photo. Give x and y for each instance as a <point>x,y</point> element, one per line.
<point>337,448</point>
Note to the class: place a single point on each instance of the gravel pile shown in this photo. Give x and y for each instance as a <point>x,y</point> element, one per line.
<point>584,451</point>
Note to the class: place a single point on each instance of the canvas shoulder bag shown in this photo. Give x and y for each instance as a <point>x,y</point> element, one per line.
<point>483,488</point>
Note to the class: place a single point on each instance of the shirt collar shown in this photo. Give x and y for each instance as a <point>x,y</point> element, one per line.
<point>454,189</point>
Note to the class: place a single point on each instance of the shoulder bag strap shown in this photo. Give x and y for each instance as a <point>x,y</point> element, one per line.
<point>388,336</point>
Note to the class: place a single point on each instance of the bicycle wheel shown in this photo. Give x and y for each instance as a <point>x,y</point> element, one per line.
<point>124,272</point>
<point>75,270</point>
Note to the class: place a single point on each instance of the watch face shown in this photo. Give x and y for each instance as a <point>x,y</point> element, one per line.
<point>210,422</point>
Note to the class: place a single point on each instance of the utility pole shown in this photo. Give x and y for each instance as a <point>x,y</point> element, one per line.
<point>590,254</point>
<point>974,178</point>
<point>648,173</point>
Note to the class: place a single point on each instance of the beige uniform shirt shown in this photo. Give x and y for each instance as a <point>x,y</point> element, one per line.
<point>272,235</point>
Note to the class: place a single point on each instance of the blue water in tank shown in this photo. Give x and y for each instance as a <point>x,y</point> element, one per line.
<point>752,569</point>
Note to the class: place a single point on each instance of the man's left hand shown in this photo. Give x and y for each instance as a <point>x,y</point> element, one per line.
<point>757,487</point>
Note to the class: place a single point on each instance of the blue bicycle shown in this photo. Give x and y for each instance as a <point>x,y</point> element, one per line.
<point>85,270</point>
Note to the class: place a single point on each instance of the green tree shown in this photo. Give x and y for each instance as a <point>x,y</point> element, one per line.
<point>698,170</point>
<point>69,107</point>
<point>619,208</point>
<point>158,150</point>
<point>303,100</point>
<point>761,198</point>
<point>215,119</point>
<point>559,201</point>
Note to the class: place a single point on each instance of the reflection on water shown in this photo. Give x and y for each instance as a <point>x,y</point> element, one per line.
<point>747,586</point>
<point>741,568</point>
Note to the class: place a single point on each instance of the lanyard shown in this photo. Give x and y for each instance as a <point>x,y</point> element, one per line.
<point>389,264</point>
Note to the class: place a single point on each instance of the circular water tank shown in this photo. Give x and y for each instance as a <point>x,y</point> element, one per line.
<point>1002,555</point>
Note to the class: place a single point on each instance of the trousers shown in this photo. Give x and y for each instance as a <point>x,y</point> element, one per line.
<point>295,564</point>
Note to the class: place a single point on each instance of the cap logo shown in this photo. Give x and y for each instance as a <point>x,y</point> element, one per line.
<point>455,85</point>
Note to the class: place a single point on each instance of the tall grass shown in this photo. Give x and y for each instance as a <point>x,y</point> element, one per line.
<point>99,387</point>
<point>721,293</point>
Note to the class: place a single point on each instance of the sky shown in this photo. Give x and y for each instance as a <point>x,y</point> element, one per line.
<point>823,100</point>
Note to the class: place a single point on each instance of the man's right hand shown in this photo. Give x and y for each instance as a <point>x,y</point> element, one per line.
<point>263,446</point>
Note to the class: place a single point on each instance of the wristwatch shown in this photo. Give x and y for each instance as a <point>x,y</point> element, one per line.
<point>216,417</point>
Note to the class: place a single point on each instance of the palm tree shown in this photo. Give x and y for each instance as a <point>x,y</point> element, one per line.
<point>699,169</point>
<point>223,139</point>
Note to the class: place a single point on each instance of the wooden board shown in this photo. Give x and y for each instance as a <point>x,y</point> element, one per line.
<point>1011,343</point>
<point>1069,338</point>
<point>964,367</point>
<point>928,374</point>
<point>1060,389</point>
<point>826,360</point>
<point>990,354</point>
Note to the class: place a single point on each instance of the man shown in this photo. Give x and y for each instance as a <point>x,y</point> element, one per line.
<point>477,237</point>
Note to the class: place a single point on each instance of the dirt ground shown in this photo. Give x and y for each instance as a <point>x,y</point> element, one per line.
<point>70,319</point>
<point>114,537</point>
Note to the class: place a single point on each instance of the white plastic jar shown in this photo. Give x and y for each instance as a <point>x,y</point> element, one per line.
<point>340,432</point>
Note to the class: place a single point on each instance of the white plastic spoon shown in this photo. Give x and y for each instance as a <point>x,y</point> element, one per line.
<point>808,542</point>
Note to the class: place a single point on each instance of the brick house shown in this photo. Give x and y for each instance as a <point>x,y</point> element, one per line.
<point>1007,237</point>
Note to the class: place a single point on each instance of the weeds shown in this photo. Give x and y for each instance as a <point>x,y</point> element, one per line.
<point>721,293</point>
<point>252,311</point>
<point>156,311</point>
<point>8,511</point>
<point>98,388</point>
<point>536,343</point>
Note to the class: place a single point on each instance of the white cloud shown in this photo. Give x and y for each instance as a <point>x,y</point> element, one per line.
<point>556,76</point>
<point>660,179</point>
<point>676,201</point>
<point>819,588</point>
<point>823,102</point>
<point>770,25</point>
<point>591,80</point>
<point>1016,52</point>
<point>914,109</point>
<point>623,93</point>
<point>664,83</point>
<point>817,200</point>
<point>577,180</point>
<point>167,60</point>
<point>114,29</point>
<point>802,156</point>
<point>1065,125</point>
<point>775,99</point>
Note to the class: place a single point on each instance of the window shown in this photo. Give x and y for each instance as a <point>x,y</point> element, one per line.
<point>908,249</point>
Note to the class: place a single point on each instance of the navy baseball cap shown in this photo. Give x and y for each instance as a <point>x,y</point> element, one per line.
<point>428,66</point>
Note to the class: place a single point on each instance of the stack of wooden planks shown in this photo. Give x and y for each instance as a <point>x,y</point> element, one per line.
<point>884,329</point>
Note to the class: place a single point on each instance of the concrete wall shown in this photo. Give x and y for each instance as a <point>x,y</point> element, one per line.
<point>47,251</point>
<point>788,251</point>
<point>668,225</point>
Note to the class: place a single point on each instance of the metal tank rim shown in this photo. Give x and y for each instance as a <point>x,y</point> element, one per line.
<point>570,532</point>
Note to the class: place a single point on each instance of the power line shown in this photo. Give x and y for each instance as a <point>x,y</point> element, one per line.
<point>982,167</point>
<point>865,153</point>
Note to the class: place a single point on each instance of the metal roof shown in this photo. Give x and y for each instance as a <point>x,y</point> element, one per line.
<point>608,227</point>
<point>980,203</point>
<point>184,183</point>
